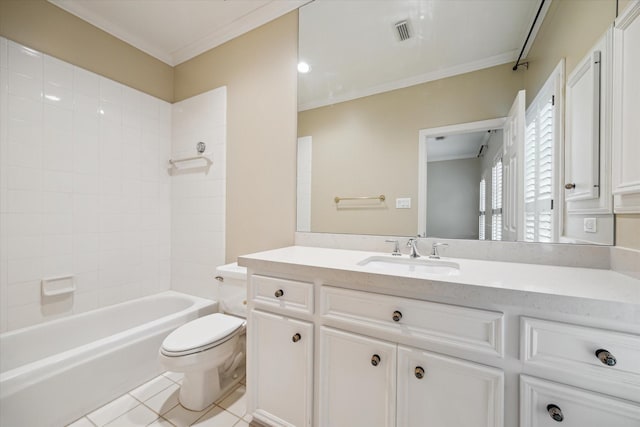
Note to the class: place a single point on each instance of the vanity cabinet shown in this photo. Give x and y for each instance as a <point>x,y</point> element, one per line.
<point>392,350</point>
<point>357,380</point>
<point>280,353</point>
<point>438,390</point>
<point>626,110</point>
<point>546,403</point>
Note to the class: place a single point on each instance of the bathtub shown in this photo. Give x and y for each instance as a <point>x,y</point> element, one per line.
<point>55,372</point>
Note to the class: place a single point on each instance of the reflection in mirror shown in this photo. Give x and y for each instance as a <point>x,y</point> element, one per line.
<point>368,92</point>
<point>459,184</point>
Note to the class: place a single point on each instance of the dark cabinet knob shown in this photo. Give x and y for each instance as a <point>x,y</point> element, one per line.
<point>375,360</point>
<point>555,412</point>
<point>570,186</point>
<point>397,316</point>
<point>296,338</point>
<point>279,293</point>
<point>419,372</point>
<point>606,357</point>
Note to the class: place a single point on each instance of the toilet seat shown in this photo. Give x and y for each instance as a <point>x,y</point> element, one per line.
<point>201,334</point>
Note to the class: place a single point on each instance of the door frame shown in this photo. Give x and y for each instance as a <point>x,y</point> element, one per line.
<point>423,134</point>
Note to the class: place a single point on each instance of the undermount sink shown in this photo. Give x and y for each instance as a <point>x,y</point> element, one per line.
<point>404,264</point>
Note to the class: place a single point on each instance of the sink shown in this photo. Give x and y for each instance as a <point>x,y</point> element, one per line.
<point>404,264</point>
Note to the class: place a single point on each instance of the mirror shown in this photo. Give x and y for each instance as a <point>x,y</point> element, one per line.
<point>381,80</point>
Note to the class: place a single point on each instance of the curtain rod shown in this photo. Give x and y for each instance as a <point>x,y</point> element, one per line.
<point>515,67</point>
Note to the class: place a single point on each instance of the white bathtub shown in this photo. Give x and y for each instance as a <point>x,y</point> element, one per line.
<point>55,372</point>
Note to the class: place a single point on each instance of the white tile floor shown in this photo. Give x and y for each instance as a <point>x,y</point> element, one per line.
<point>155,403</point>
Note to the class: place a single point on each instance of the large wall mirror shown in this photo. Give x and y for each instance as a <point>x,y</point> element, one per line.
<point>406,113</point>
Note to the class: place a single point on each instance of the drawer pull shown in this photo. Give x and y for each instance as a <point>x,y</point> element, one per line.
<point>555,412</point>
<point>296,338</point>
<point>397,316</point>
<point>606,357</point>
<point>375,360</point>
<point>279,293</point>
<point>419,372</point>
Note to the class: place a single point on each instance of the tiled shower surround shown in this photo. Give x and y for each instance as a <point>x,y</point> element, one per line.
<point>85,188</point>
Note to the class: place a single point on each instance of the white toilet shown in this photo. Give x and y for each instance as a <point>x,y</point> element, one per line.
<point>210,350</point>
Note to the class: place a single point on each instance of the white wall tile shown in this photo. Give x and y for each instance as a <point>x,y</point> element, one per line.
<point>24,270</point>
<point>57,72</point>
<point>57,244</point>
<point>197,195</point>
<point>23,293</point>
<point>19,201</point>
<point>57,181</point>
<point>72,182</point>
<point>86,83</point>
<point>24,60</point>
<point>3,52</point>
<point>24,179</point>
<point>25,86</point>
<point>19,247</point>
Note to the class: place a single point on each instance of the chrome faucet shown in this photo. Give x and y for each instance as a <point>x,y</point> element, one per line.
<point>434,250</point>
<point>413,244</point>
<point>396,248</point>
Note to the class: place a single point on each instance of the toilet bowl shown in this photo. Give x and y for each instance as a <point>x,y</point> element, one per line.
<point>210,350</point>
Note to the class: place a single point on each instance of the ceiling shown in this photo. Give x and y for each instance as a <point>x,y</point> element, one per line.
<point>457,146</point>
<point>351,45</point>
<point>353,49</point>
<point>175,31</point>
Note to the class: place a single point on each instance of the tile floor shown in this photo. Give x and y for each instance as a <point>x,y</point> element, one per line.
<point>155,403</point>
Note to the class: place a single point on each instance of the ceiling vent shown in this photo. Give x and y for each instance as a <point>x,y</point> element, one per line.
<point>402,28</point>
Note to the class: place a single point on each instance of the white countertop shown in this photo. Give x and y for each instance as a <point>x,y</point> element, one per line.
<point>573,282</point>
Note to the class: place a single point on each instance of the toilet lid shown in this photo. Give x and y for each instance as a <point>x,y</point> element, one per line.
<point>201,332</point>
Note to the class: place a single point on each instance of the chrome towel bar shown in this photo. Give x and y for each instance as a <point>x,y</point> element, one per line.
<point>381,197</point>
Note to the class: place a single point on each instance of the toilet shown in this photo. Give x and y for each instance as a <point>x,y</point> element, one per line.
<point>210,350</point>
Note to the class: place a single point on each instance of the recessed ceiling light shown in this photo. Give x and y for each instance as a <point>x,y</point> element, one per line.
<point>303,67</point>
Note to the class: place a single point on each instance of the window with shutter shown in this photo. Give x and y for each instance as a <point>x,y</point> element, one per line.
<point>482,216</point>
<point>496,200</point>
<point>538,168</point>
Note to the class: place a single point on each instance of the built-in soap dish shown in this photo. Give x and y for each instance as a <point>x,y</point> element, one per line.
<point>55,286</point>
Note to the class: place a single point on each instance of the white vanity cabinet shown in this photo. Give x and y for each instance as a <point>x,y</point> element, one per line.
<point>404,351</point>
<point>438,390</point>
<point>280,352</point>
<point>545,404</point>
<point>626,110</point>
<point>357,380</point>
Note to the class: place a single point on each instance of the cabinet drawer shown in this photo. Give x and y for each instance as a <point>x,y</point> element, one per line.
<point>572,349</point>
<point>289,295</point>
<point>575,407</point>
<point>453,326</point>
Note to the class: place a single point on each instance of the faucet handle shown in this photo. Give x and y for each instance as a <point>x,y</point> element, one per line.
<point>434,249</point>
<point>396,248</point>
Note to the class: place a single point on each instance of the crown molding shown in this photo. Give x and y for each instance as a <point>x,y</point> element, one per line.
<point>254,19</point>
<point>415,80</point>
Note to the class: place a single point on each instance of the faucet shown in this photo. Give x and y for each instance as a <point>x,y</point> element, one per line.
<point>413,244</point>
<point>434,250</point>
<point>396,248</point>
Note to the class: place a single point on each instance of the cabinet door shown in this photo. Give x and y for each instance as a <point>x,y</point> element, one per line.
<point>545,404</point>
<point>626,110</point>
<point>280,369</point>
<point>357,380</point>
<point>582,142</point>
<point>437,390</point>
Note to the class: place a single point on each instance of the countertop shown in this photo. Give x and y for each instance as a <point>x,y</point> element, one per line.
<point>567,289</point>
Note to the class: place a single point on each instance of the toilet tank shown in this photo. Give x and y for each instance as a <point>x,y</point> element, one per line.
<point>233,289</point>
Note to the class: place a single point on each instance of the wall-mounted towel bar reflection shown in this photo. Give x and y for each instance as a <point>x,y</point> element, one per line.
<point>381,197</point>
<point>188,159</point>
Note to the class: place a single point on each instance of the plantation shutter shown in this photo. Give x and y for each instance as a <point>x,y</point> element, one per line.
<point>538,170</point>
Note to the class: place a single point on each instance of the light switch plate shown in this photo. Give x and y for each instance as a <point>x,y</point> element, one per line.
<point>403,203</point>
<point>590,225</point>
